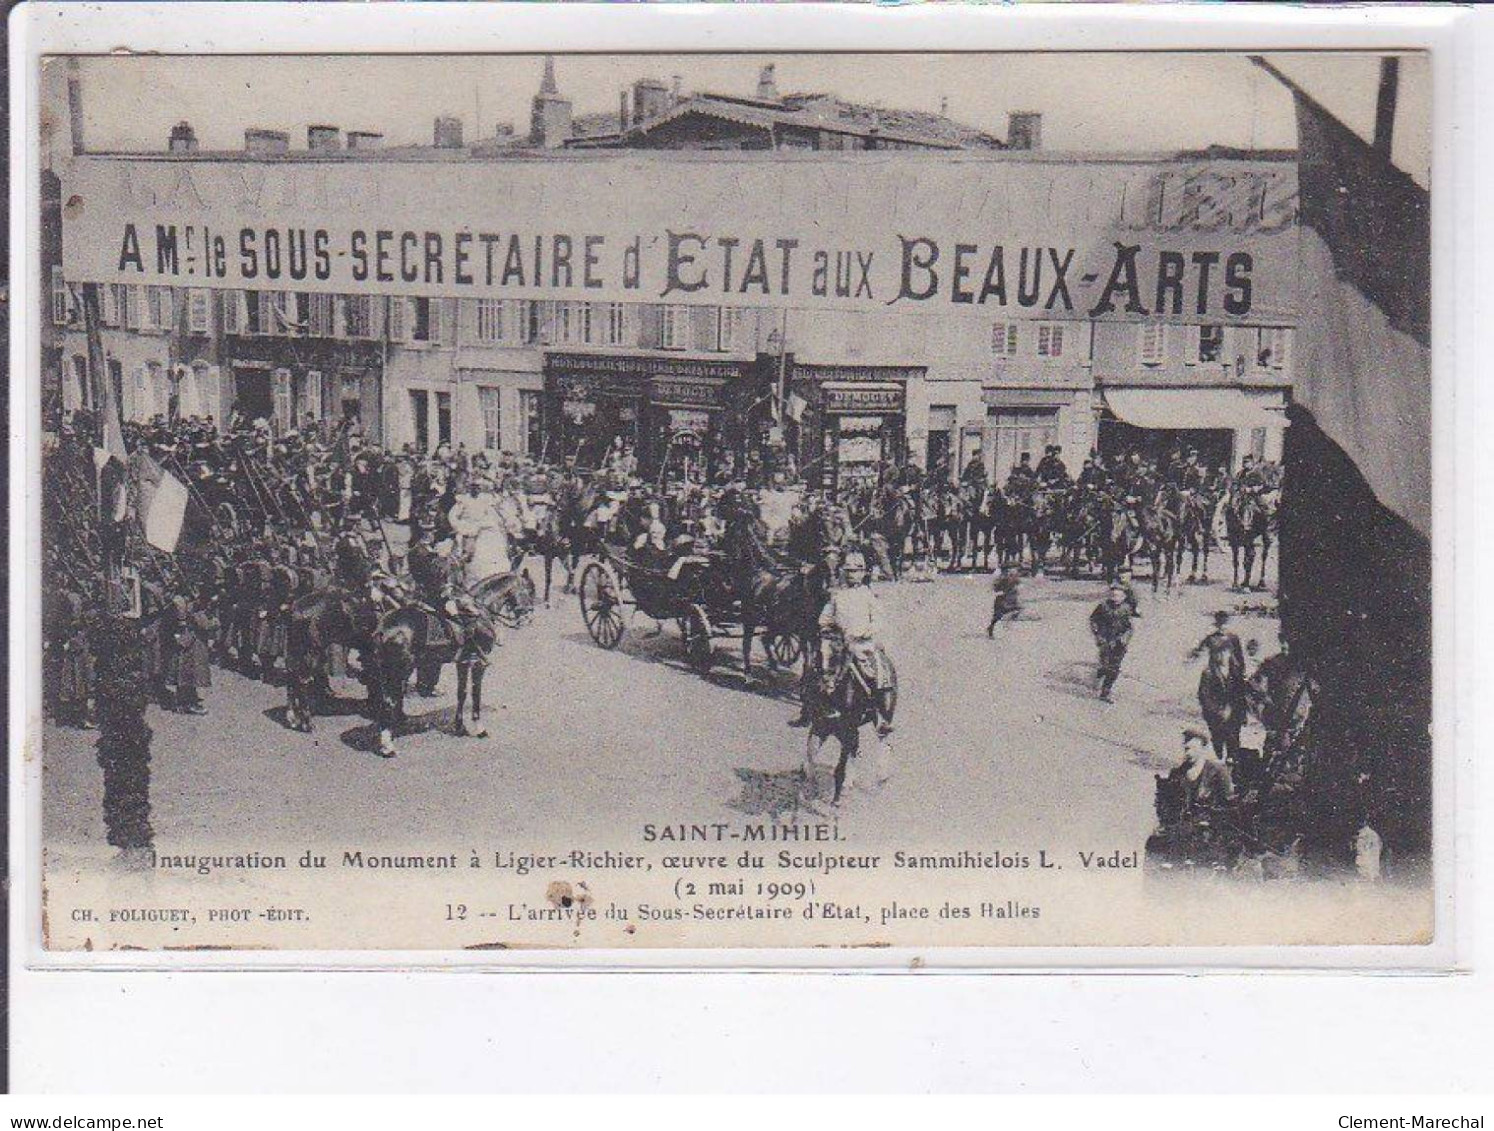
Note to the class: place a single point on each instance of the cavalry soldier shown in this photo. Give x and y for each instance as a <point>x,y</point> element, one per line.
<point>1022,477</point>
<point>1251,477</point>
<point>1092,477</point>
<point>1051,470</point>
<point>1110,623</point>
<point>430,572</point>
<point>850,627</point>
<point>974,474</point>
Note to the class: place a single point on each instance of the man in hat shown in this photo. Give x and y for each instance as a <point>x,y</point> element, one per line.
<point>974,474</point>
<point>1051,470</point>
<point>1222,691</point>
<point>1110,623</point>
<point>850,627</point>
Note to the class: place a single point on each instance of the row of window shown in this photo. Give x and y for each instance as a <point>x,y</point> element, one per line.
<point>433,321</point>
<point>521,322</point>
<point>1205,345</point>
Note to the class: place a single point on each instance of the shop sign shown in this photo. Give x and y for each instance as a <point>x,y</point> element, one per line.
<point>859,449</point>
<point>689,421</point>
<point>588,388</point>
<point>863,400</point>
<point>859,373</point>
<point>681,391</point>
<point>634,366</point>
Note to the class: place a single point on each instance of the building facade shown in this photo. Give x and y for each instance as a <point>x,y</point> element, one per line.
<point>688,387</point>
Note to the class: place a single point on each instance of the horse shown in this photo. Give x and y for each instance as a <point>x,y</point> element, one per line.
<point>546,541</point>
<point>1157,530</point>
<point>948,522</point>
<point>1222,696</point>
<point>1117,538</point>
<point>1196,530</point>
<point>787,607</point>
<point>899,514</point>
<point>1038,513</point>
<point>1248,518</point>
<point>574,505</point>
<point>839,706</point>
<point>318,621</point>
<point>414,635</point>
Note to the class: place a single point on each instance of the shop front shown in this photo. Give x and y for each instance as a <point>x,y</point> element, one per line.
<point>854,421</point>
<point>680,418</point>
<point>1223,425</point>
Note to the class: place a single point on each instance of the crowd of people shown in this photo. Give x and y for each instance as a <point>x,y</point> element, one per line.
<point>275,517</point>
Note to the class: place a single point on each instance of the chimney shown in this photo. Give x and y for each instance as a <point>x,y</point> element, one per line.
<point>448,132</point>
<point>767,86</point>
<point>623,118</point>
<point>183,139</point>
<point>323,139</point>
<point>944,106</point>
<point>364,139</point>
<point>675,86</point>
<point>266,143</point>
<point>1024,130</point>
<point>650,99</point>
<point>548,84</point>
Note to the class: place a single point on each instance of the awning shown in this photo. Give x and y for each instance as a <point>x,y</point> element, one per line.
<point>1191,408</point>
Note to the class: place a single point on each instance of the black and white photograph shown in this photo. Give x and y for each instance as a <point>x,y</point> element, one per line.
<point>754,500</point>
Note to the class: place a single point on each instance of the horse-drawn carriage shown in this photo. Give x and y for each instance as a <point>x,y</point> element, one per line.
<point>698,591</point>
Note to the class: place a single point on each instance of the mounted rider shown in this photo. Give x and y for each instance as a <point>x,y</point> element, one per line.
<point>850,626</point>
<point>1051,470</point>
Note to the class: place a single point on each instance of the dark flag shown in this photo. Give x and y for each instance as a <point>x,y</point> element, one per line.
<point>1356,515</point>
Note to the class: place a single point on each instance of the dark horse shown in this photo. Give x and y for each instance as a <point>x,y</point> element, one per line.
<point>415,635</point>
<point>899,514</point>
<point>319,621</point>
<point>785,603</point>
<point>1248,517</point>
<point>839,706</point>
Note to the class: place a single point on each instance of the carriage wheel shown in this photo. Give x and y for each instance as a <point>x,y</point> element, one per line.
<point>783,649</point>
<point>698,639</point>
<point>601,605</point>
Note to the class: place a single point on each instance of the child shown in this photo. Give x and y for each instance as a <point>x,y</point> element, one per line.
<point>1004,583</point>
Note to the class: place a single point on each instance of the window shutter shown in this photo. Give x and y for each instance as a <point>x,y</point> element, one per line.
<point>650,323</point>
<point>1195,346</point>
<point>59,298</point>
<point>132,304</point>
<point>398,317</point>
<point>1153,339</point>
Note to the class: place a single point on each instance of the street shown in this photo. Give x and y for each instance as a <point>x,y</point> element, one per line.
<point>998,739</point>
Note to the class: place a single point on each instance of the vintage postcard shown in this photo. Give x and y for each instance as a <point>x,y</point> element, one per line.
<point>584,501</point>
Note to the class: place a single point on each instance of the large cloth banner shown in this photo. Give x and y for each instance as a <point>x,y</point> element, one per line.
<point>1363,366</point>
<point>1031,236</point>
